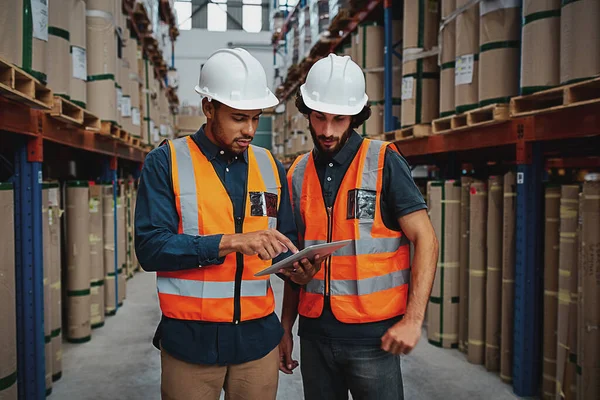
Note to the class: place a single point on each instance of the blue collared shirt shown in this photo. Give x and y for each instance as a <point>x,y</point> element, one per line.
<point>160,248</point>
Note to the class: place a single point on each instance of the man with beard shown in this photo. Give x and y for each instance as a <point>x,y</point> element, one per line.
<point>212,211</point>
<point>357,314</point>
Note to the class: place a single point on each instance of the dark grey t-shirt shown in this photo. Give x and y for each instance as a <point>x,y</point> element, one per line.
<point>400,196</point>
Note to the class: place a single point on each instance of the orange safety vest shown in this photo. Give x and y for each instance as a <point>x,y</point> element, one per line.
<point>367,280</point>
<point>228,292</point>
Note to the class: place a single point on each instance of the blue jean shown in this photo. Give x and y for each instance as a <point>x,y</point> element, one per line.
<point>330,368</point>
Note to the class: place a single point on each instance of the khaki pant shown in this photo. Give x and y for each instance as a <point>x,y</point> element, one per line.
<point>249,381</point>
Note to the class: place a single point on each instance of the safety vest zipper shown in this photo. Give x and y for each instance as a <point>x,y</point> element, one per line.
<point>328,260</point>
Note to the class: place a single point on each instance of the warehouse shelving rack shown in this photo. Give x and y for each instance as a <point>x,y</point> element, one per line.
<point>562,138</point>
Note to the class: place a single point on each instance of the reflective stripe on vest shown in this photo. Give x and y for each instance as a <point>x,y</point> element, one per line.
<point>211,290</point>
<point>361,286</point>
<point>270,176</point>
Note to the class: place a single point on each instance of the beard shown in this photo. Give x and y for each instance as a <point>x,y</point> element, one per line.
<point>330,150</point>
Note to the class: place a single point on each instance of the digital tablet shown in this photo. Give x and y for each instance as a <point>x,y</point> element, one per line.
<point>323,250</point>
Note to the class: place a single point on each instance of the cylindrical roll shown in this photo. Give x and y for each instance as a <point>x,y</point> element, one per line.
<point>78,52</point>
<point>463,325</point>
<point>551,247</point>
<point>477,272</point>
<point>108,227</point>
<point>134,259</point>
<point>579,40</point>
<point>493,329</point>
<point>122,244</point>
<point>47,294</point>
<point>59,60</point>
<point>589,269</point>
<point>448,61</point>
<point>370,45</point>
<point>101,59</point>
<point>397,32</point>
<point>8,295</point>
<point>540,53</point>
<point>499,51</point>
<point>129,229</point>
<point>374,125</point>
<point>78,262</point>
<point>134,87</point>
<point>11,32</point>
<point>444,211</point>
<point>96,256</point>
<point>54,219</point>
<point>466,73</point>
<point>508,276</point>
<point>126,96</point>
<point>567,262</point>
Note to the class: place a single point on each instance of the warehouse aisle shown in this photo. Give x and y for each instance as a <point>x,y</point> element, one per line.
<point>121,364</point>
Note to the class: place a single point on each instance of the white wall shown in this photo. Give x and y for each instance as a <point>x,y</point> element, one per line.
<point>193,47</point>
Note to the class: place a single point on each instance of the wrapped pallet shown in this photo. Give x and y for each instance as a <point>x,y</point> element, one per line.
<point>54,222</point>
<point>108,228</point>
<point>8,296</point>
<point>96,256</point>
<point>567,282</point>
<point>420,76</point>
<point>579,40</point>
<point>463,259</point>
<point>589,271</point>
<point>499,51</point>
<point>78,30</point>
<point>444,212</point>
<point>493,313</point>
<point>101,53</point>
<point>551,255</point>
<point>11,32</point>
<point>508,276</point>
<point>477,272</point>
<point>466,72</point>
<point>47,294</point>
<point>59,68</point>
<point>79,329</point>
<point>447,60</point>
<point>540,53</point>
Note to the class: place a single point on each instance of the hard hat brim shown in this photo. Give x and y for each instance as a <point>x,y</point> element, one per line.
<point>334,109</point>
<point>254,104</point>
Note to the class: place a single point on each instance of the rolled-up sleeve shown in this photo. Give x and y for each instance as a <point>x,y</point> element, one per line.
<point>158,245</point>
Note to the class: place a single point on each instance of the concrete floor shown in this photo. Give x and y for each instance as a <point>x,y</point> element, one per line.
<point>119,363</point>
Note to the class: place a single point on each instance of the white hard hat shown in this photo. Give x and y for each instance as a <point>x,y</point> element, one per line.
<point>335,85</point>
<point>237,79</point>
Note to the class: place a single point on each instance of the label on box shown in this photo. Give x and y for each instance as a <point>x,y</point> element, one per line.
<point>126,106</point>
<point>119,99</point>
<point>94,205</point>
<point>135,116</point>
<point>53,197</point>
<point>463,73</point>
<point>520,178</point>
<point>408,85</point>
<point>164,131</point>
<point>79,62</point>
<point>489,6</point>
<point>39,15</point>
<point>303,140</point>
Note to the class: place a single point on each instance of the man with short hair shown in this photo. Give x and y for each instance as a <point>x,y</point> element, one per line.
<point>212,211</point>
<point>357,314</point>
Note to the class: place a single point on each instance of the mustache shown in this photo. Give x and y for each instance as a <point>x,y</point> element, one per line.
<point>245,137</point>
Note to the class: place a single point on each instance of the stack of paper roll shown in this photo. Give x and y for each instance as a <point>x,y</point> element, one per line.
<point>369,56</point>
<point>499,51</point>
<point>8,296</point>
<point>551,260</point>
<point>96,256</point>
<point>108,228</point>
<point>121,243</point>
<point>588,357</point>
<point>508,276</point>
<point>145,101</point>
<point>397,32</point>
<point>477,272</point>
<point>420,77</point>
<point>448,54</point>
<point>463,259</point>
<point>47,290</point>
<point>35,37</point>
<point>59,68</point>
<point>126,88</point>
<point>78,262</point>
<point>443,309</point>
<point>579,40</point>
<point>78,69</point>
<point>11,32</point>
<point>540,53</point>
<point>494,273</point>
<point>135,87</point>
<point>466,72</point>
<point>566,375</point>
<point>54,221</point>
<point>101,60</point>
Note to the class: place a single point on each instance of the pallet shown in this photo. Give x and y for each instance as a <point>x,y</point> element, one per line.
<point>91,122</point>
<point>64,110</point>
<point>415,131</point>
<point>576,94</point>
<point>492,114</point>
<point>18,85</point>
<point>442,125</point>
<point>108,128</point>
<point>136,142</point>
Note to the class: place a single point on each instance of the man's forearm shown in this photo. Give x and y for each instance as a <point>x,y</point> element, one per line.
<point>289,311</point>
<point>422,276</point>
